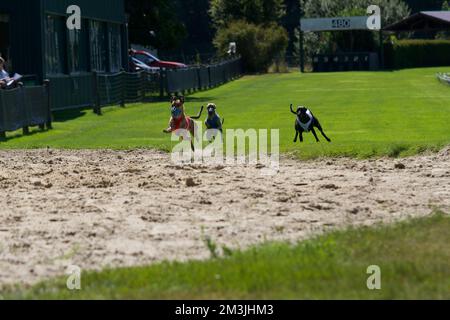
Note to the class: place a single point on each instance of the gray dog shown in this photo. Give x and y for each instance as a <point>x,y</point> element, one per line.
<point>213,122</point>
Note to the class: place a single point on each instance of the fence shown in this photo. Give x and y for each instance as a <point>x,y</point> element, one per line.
<point>351,61</point>
<point>202,77</point>
<point>444,78</point>
<point>24,107</point>
<point>32,105</point>
<point>98,90</point>
<point>69,92</point>
<point>124,87</point>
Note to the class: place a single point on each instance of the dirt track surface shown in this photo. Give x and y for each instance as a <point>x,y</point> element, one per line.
<point>99,209</point>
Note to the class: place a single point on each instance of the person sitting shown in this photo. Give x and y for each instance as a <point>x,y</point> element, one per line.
<point>4,75</point>
<point>6,82</point>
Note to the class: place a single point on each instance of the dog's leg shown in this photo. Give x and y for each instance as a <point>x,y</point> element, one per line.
<point>194,134</point>
<point>296,136</point>
<point>321,131</point>
<point>171,126</point>
<point>301,136</point>
<point>325,136</point>
<point>315,134</point>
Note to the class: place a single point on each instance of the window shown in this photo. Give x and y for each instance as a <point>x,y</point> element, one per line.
<point>144,58</point>
<point>115,50</point>
<point>4,43</point>
<point>4,36</point>
<point>98,46</point>
<point>74,50</point>
<point>54,45</point>
<point>77,46</point>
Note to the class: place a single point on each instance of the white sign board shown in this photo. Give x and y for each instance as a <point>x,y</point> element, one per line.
<point>372,22</point>
<point>334,24</point>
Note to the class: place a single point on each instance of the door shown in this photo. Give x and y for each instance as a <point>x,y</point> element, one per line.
<point>4,38</point>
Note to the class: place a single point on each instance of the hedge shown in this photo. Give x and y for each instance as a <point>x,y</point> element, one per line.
<point>417,53</point>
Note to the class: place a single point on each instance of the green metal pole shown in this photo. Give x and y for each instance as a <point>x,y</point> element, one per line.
<point>381,50</point>
<point>302,53</point>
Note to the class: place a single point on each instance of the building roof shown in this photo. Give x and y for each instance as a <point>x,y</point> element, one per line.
<point>424,20</point>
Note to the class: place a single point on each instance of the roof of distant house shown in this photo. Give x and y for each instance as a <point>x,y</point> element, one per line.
<point>424,20</point>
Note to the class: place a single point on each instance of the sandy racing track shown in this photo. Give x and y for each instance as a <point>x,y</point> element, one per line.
<point>99,209</point>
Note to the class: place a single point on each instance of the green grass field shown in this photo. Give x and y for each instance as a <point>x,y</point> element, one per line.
<point>413,256</point>
<point>365,113</point>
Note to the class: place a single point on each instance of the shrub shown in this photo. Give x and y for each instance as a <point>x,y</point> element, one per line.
<point>417,53</point>
<point>259,45</point>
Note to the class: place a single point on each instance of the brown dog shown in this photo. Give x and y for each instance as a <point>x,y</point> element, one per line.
<point>180,121</point>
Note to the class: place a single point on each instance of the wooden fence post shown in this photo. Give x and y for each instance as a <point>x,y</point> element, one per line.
<point>123,86</point>
<point>209,78</point>
<point>48,124</point>
<point>143,81</point>
<point>162,82</point>
<point>97,103</point>
<point>25,128</point>
<point>2,133</point>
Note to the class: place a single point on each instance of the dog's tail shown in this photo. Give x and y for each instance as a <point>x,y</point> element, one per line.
<point>199,115</point>
<point>292,109</point>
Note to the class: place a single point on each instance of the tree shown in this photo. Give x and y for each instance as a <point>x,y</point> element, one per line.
<point>258,45</point>
<point>442,35</point>
<point>254,26</point>
<point>421,5</point>
<point>158,16</point>
<point>291,21</point>
<point>193,14</point>
<point>252,11</point>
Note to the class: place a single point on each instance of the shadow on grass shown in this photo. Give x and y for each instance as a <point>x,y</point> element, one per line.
<point>18,134</point>
<point>70,114</point>
<point>189,99</point>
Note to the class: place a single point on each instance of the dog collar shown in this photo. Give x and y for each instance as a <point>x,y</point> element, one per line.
<point>306,126</point>
<point>176,112</point>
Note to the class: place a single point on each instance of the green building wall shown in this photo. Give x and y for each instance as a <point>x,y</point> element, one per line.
<point>27,34</point>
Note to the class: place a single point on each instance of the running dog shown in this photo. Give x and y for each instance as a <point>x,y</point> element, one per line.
<point>306,122</point>
<point>180,120</point>
<point>213,122</point>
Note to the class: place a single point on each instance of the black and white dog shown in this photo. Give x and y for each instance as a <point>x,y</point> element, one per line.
<point>306,122</point>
